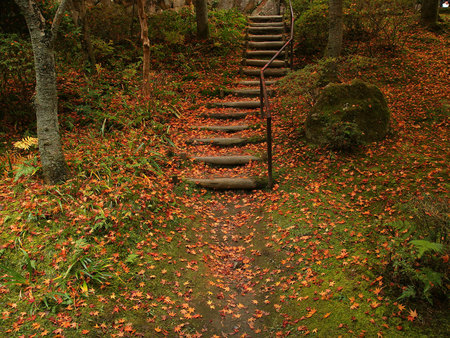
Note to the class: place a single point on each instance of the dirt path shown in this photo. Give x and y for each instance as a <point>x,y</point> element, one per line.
<point>235,298</point>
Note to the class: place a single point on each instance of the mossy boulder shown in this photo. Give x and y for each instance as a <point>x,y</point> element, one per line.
<point>346,115</point>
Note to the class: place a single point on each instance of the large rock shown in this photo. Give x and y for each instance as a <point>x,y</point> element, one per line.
<point>348,113</point>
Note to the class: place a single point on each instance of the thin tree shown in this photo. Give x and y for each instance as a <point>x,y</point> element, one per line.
<point>335,30</point>
<point>429,13</point>
<point>201,15</point>
<point>146,48</point>
<point>79,17</point>
<point>46,101</point>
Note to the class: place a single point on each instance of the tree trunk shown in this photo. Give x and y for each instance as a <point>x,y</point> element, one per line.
<point>201,15</point>
<point>146,48</point>
<point>46,101</point>
<point>429,13</point>
<point>335,30</point>
<point>79,6</point>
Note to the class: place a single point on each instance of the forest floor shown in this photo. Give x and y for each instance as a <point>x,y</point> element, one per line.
<point>125,248</point>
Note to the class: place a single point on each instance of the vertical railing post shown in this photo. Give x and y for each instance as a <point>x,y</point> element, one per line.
<point>269,150</point>
<point>261,96</point>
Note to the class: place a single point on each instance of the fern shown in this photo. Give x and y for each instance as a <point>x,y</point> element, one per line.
<point>26,143</point>
<point>424,246</point>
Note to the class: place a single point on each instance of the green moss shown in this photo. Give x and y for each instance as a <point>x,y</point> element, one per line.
<point>357,103</point>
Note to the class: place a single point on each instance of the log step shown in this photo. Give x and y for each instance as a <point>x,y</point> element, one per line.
<point>248,92</point>
<point>226,141</point>
<point>236,104</point>
<point>229,183</point>
<point>255,82</point>
<point>265,30</point>
<point>265,18</point>
<point>267,72</point>
<point>266,24</point>
<point>226,116</point>
<point>251,54</point>
<point>262,63</point>
<point>226,161</point>
<point>266,45</point>
<point>227,129</point>
<point>274,37</point>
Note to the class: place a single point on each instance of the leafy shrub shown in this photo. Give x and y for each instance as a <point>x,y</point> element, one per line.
<point>302,87</point>
<point>226,28</point>
<point>16,79</point>
<point>311,27</point>
<point>381,23</point>
<point>172,27</point>
<point>420,247</point>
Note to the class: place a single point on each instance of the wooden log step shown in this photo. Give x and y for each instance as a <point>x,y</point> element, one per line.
<point>265,30</point>
<point>262,63</point>
<point>266,24</point>
<point>247,92</point>
<point>235,104</point>
<point>266,45</point>
<point>227,129</point>
<point>266,18</point>
<point>227,141</point>
<point>267,72</point>
<point>226,161</point>
<point>226,116</point>
<point>258,54</point>
<point>255,82</point>
<point>273,37</point>
<point>229,183</point>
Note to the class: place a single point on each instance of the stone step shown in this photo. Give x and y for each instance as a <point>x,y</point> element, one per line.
<point>266,18</point>
<point>226,161</point>
<point>235,104</point>
<point>227,129</point>
<point>262,63</point>
<point>226,116</point>
<point>266,24</point>
<point>255,83</point>
<point>267,72</point>
<point>229,183</point>
<point>274,37</point>
<point>265,30</point>
<point>227,141</point>
<point>266,45</point>
<point>258,54</point>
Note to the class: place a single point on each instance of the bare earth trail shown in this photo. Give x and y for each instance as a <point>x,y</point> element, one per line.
<point>234,298</point>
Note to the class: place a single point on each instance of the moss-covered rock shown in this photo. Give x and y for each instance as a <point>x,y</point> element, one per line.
<point>346,115</point>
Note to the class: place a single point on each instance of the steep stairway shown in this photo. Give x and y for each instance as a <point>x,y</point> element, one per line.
<point>229,152</point>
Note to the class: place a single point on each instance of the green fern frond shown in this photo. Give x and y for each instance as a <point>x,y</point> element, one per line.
<point>26,143</point>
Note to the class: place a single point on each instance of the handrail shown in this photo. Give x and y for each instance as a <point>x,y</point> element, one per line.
<point>265,100</point>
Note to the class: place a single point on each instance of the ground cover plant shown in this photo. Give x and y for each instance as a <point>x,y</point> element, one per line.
<point>347,243</point>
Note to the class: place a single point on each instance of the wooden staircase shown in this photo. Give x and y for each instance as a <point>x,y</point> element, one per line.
<point>237,154</point>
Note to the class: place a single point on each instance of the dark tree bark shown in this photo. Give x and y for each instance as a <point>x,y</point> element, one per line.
<point>46,101</point>
<point>79,18</point>
<point>429,13</point>
<point>201,15</point>
<point>146,48</point>
<point>335,30</point>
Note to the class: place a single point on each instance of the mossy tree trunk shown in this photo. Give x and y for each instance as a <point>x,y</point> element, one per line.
<point>335,30</point>
<point>201,14</point>
<point>46,101</point>
<point>429,13</point>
